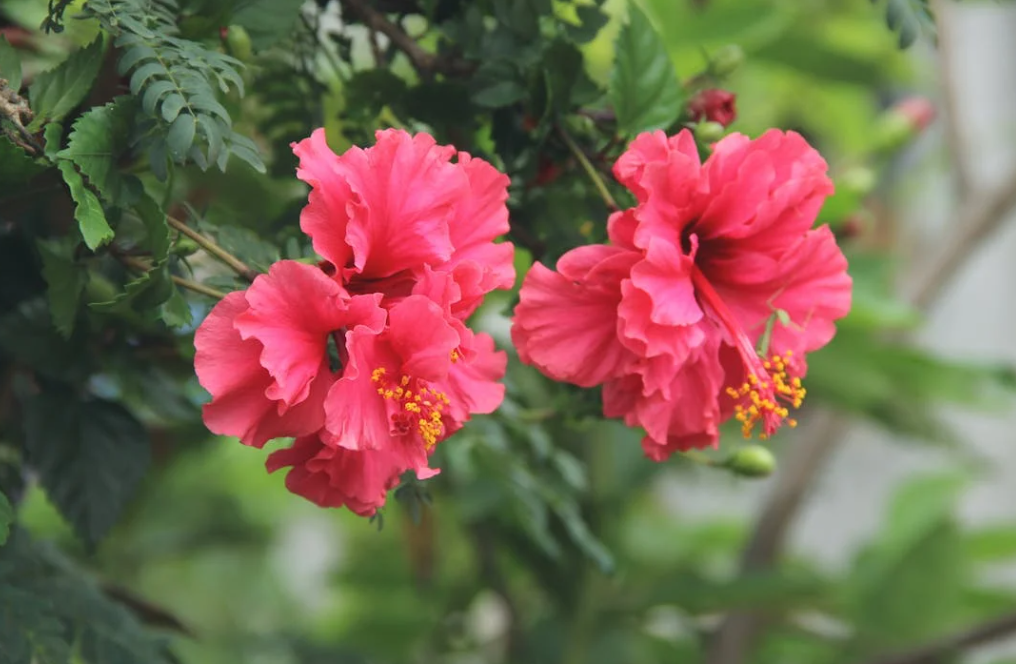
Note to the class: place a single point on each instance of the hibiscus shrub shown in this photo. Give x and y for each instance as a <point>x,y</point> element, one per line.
<point>494,261</point>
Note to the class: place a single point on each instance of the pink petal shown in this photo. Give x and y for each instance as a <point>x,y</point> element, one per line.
<point>326,215</point>
<point>406,192</point>
<point>292,311</point>
<point>566,322</point>
<point>356,416</point>
<point>472,384</point>
<point>654,150</point>
<point>419,334</point>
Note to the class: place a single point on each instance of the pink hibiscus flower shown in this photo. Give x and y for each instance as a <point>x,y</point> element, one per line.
<point>381,215</point>
<point>398,381</point>
<point>669,316</point>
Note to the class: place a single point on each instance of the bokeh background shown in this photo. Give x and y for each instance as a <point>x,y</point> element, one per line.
<point>889,523</point>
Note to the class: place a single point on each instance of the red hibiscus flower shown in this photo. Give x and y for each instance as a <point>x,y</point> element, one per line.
<point>668,317</point>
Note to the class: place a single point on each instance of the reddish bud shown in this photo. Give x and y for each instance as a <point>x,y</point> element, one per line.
<point>17,37</point>
<point>223,33</point>
<point>529,123</point>
<point>919,111</point>
<point>546,172</point>
<point>713,105</point>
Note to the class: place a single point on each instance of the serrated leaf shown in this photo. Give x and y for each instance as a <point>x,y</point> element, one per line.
<point>52,135</point>
<point>499,94</point>
<point>154,220</point>
<point>65,281</point>
<point>87,208</point>
<point>96,143</point>
<point>89,459</point>
<point>6,518</point>
<point>176,312</point>
<point>56,92</point>
<point>267,21</point>
<point>591,20</point>
<point>16,168</point>
<point>644,88</point>
<point>10,64</point>
<point>143,294</point>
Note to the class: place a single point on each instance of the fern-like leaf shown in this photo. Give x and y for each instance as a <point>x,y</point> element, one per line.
<point>910,18</point>
<point>176,80</point>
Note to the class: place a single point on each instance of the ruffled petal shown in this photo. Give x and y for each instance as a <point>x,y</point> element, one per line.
<point>406,194</point>
<point>229,368</point>
<point>326,214</point>
<point>566,322</point>
<point>292,311</point>
<point>421,337</point>
<point>653,151</point>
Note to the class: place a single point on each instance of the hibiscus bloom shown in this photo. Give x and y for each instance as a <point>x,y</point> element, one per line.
<point>382,215</point>
<point>395,383</point>
<point>668,318</point>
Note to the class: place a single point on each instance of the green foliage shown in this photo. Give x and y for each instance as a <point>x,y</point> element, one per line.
<point>55,93</point>
<point>99,139</point>
<point>910,18</point>
<point>10,64</point>
<point>266,21</point>
<point>90,459</point>
<point>16,168</point>
<point>644,88</point>
<point>65,282</point>
<point>6,518</point>
<point>173,77</point>
<point>87,209</point>
<point>48,611</point>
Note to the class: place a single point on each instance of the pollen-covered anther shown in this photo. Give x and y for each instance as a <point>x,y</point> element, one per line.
<point>420,407</point>
<point>768,398</point>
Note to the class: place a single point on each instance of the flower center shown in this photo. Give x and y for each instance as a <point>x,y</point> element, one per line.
<point>418,407</point>
<point>769,388</point>
<point>760,401</point>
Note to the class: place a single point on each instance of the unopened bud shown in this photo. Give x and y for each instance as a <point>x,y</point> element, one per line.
<point>184,246</point>
<point>709,132</point>
<point>713,105</point>
<point>751,461</point>
<point>859,180</point>
<point>903,122</point>
<point>238,43</point>
<point>726,60</point>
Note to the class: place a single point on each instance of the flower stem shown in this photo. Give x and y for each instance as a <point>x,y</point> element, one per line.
<point>209,245</point>
<point>598,182</point>
<point>197,288</point>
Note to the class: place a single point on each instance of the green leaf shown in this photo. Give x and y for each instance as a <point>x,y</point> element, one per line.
<point>499,94</point>
<point>156,227</point>
<point>16,168</point>
<point>6,518</point>
<point>910,18</point>
<point>267,21</point>
<point>87,208</point>
<point>591,20</point>
<point>89,459</point>
<point>97,141</point>
<point>56,92</point>
<point>65,280</point>
<point>644,88</point>
<point>10,64</point>
<point>992,544</point>
<point>143,294</point>
<point>176,312</point>
<point>181,136</point>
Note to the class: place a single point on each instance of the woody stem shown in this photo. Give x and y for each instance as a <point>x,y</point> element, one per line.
<point>587,166</point>
<point>213,249</point>
<point>142,266</point>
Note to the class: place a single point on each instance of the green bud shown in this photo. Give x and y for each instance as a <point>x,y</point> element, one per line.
<point>709,132</point>
<point>184,246</point>
<point>238,43</point>
<point>726,60</point>
<point>751,461</point>
<point>893,131</point>
<point>859,180</point>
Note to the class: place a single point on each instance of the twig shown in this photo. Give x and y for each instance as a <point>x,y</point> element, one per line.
<point>590,170</point>
<point>425,62</point>
<point>950,100</point>
<point>17,111</point>
<point>141,266</point>
<point>984,214</point>
<point>939,650</point>
<point>209,245</point>
<point>731,641</point>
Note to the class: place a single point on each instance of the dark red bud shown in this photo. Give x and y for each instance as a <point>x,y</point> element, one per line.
<point>224,33</point>
<point>713,105</point>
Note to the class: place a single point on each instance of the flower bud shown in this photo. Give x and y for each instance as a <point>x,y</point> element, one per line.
<point>713,105</point>
<point>238,43</point>
<point>726,60</point>
<point>903,122</point>
<point>859,180</point>
<point>709,132</point>
<point>751,461</point>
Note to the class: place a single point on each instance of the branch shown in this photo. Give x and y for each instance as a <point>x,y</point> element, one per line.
<point>594,176</point>
<point>209,245</point>
<point>425,62</point>
<point>141,266</point>
<point>737,632</point>
<point>937,651</point>
<point>947,85</point>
